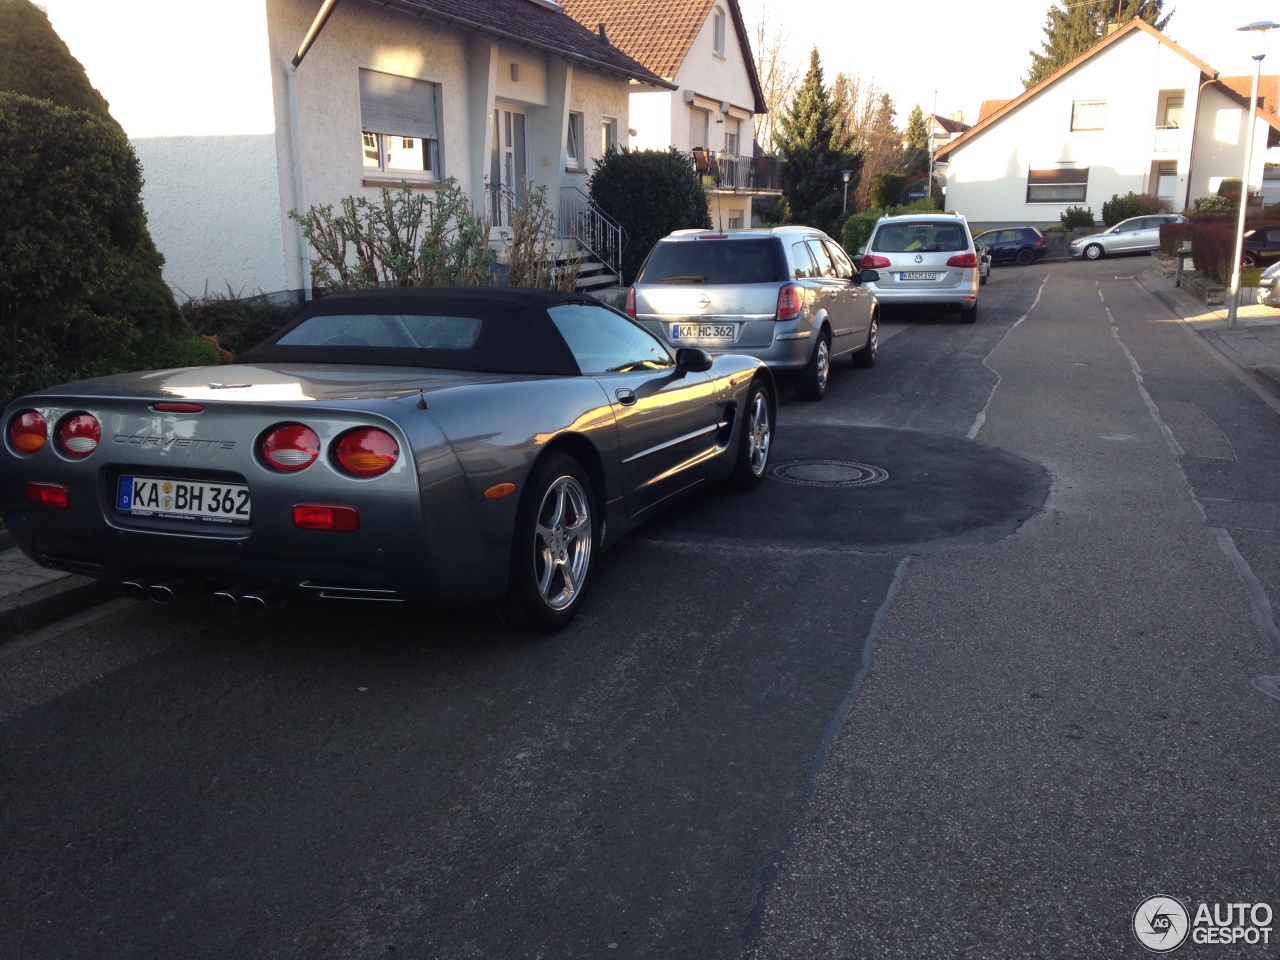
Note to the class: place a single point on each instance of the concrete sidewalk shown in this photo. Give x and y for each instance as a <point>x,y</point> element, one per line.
<point>1253,344</point>
<point>32,596</point>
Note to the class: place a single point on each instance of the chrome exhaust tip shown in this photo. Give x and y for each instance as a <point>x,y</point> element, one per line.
<point>166,591</point>
<point>224,600</point>
<point>263,600</point>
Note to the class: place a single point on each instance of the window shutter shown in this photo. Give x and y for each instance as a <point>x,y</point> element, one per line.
<point>397,105</point>
<point>698,128</point>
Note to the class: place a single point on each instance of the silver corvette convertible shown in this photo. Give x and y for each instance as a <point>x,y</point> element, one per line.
<point>447,446</point>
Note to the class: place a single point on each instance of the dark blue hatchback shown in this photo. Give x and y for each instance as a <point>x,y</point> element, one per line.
<point>1023,245</point>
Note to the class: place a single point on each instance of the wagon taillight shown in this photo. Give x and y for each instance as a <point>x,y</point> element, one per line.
<point>28,432</point>
<point>79,435</point>
<point>366,452</point>
<point>289,447</point>
<point>790,302</point>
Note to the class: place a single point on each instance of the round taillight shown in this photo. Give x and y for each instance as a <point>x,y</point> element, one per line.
<point>290,447</point>
<point>79,435</point>
<point>28,432</point>
<point>367,452</point>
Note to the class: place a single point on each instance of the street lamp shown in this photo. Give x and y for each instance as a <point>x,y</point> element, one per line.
<point>846,174</point>
<point>1233,296</point>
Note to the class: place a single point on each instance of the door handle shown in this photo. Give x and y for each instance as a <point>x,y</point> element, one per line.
<point>625,396</point>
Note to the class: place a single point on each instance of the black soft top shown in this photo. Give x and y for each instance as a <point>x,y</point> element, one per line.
<point>516,333</point>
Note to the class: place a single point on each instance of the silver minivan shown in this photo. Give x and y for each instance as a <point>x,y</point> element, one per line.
<point>788,295</point>
<point>925,260</point>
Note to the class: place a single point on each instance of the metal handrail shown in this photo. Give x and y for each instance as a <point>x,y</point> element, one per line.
<point>502,204</point>
<point>582,219</point>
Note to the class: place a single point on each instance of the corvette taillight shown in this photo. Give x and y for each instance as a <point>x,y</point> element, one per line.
<point>324,516</point>
<point>28,432</point>
<point>963,260</point>
<point>79,435</point>
<point>366,452</point>
<point>289,447</point>
<point>790,302</point>
<point>53,495</point>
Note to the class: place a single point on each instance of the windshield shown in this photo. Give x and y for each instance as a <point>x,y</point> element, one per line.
<point>736,261</point>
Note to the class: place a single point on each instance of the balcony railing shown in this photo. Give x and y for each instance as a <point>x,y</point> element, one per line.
<point>1168,140</point>
<point>738,174</point>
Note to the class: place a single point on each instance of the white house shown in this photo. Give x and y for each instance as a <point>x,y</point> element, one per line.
<point>1135,112</point>
<point>701,47</point>
<point>232,135</point>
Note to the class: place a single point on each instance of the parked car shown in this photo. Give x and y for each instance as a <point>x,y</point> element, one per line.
<point>790,296</point>
<point>1269,285</point>
<point>1128,236</point>
<point>925,260</point>
<point>449,446</point>
<point>1021,245</point>
<point>1261,246</point>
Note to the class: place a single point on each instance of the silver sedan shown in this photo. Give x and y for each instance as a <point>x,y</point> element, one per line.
<point>1134,235</point>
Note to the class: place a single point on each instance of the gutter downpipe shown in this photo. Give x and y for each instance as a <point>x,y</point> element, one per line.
<point>295,137</point>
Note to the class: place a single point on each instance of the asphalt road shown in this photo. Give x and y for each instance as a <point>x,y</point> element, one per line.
<point>970,680</point>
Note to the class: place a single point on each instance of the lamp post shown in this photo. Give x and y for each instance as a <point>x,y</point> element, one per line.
<point>846,174</point>
<point>1233,295</point>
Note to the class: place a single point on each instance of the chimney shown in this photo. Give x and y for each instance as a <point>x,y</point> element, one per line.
<point>603,35</point>
<point>1112,27</point>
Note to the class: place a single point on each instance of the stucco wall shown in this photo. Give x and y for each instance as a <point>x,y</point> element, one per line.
<point>191,86</point>
<point>1221,142</point>
<point>987,177</point>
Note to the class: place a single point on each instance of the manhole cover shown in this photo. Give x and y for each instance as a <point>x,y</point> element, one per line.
<point>828,473</point>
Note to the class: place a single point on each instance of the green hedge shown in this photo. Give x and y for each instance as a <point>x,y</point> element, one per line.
<point>1130,205</point>
<point>651,193</point>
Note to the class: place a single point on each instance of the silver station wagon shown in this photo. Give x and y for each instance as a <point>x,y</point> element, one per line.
<point>925,260</point>
<point>789,296</point>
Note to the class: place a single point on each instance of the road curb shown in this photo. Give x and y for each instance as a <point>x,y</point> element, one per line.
<point>51,602</point>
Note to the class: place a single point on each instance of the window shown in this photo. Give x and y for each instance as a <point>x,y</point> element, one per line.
<point>399,121</point>
<point>384,330</point>
<point>732,135</point>
<point>1173,111</point>
<point>601,341</point>
<point>735,219</point>
<point>1057,186</point>
<point>844,266</point>
<point>805,267</point>
<point>826,267</point>
<point>717,31</point>
<point>608,135</point>
<point>573,142</point>
<point>698,119</point>
<point>1089,115</point>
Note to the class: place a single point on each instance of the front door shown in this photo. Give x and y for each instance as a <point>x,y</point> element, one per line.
<point>509,165</point>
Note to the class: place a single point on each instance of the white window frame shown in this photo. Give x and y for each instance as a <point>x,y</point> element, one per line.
<point>608,134</point>
<point>735,219</point>
<point>732,136</point>
<point>1089,115</point>
<point>575,149</point>
<point>718,23</point>
<point>1058,186</point>
<point>395,114</point>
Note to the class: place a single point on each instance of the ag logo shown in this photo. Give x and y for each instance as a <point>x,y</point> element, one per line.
<point>1161,924</point>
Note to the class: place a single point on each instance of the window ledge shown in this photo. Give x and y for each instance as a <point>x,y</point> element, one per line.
<point>572,169</point>
<point>397,181</point>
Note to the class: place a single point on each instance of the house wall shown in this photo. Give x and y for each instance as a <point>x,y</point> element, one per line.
<point>987,177</point>
<point>652,118</point>
<point>1220,145</point>
<point>191,86</point>
<point>596,96</point>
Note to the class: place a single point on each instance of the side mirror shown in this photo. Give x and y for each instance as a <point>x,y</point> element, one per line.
<point>869,276</point>
<point>692,360</point>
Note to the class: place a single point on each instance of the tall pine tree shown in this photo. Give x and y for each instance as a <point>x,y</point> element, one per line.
<point>815,149</point>
<point>917,132</point>
<point>1072,29</point>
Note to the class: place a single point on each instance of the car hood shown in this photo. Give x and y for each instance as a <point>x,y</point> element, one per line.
<point>278,383</point>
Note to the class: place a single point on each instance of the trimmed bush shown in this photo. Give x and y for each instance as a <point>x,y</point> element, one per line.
<point>857,230</point>
<point>1077,217</point>
<point>886,189</point>
<point>1213,247</point>
<point>1214,204</point>
<point>1130,205</point>
<point>651,193</point>
<point>1173,236</point>
<point>1230,188</point>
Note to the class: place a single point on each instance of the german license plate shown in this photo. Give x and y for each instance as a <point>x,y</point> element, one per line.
<point>918,275</point>
<point>702,331</point>
<point>183,500</point>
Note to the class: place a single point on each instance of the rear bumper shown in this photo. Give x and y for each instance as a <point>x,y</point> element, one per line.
<point>963,296</point>
<point>789,348</point>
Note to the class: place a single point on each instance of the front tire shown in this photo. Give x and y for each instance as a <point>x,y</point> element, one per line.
<point>552,551</point>
<point>866,357</point>
<point>1026,257</point>
<point>1249,261</point>
<point>1094,251</point>
<point>812,383</point>
<point>755,439</point>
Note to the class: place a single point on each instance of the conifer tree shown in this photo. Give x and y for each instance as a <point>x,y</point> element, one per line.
<point>1072,29</point>
<point>917,132</point>
<point>815,149</point>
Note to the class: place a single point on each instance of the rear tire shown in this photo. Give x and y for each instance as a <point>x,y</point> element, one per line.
<point>812,382</point>
<point>552,551</point>
<point>969,316</point>
<point>866,357</point>
<point>1026,257</point>
<point>755,439</point>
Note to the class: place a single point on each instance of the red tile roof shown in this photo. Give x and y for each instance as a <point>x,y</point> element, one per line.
<point>991,106</point>
<point>529,23</point>
<point>1268,90</point>
<point>660,34</point>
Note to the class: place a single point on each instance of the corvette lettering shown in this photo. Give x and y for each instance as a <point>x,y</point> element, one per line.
<point>177,443</point>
